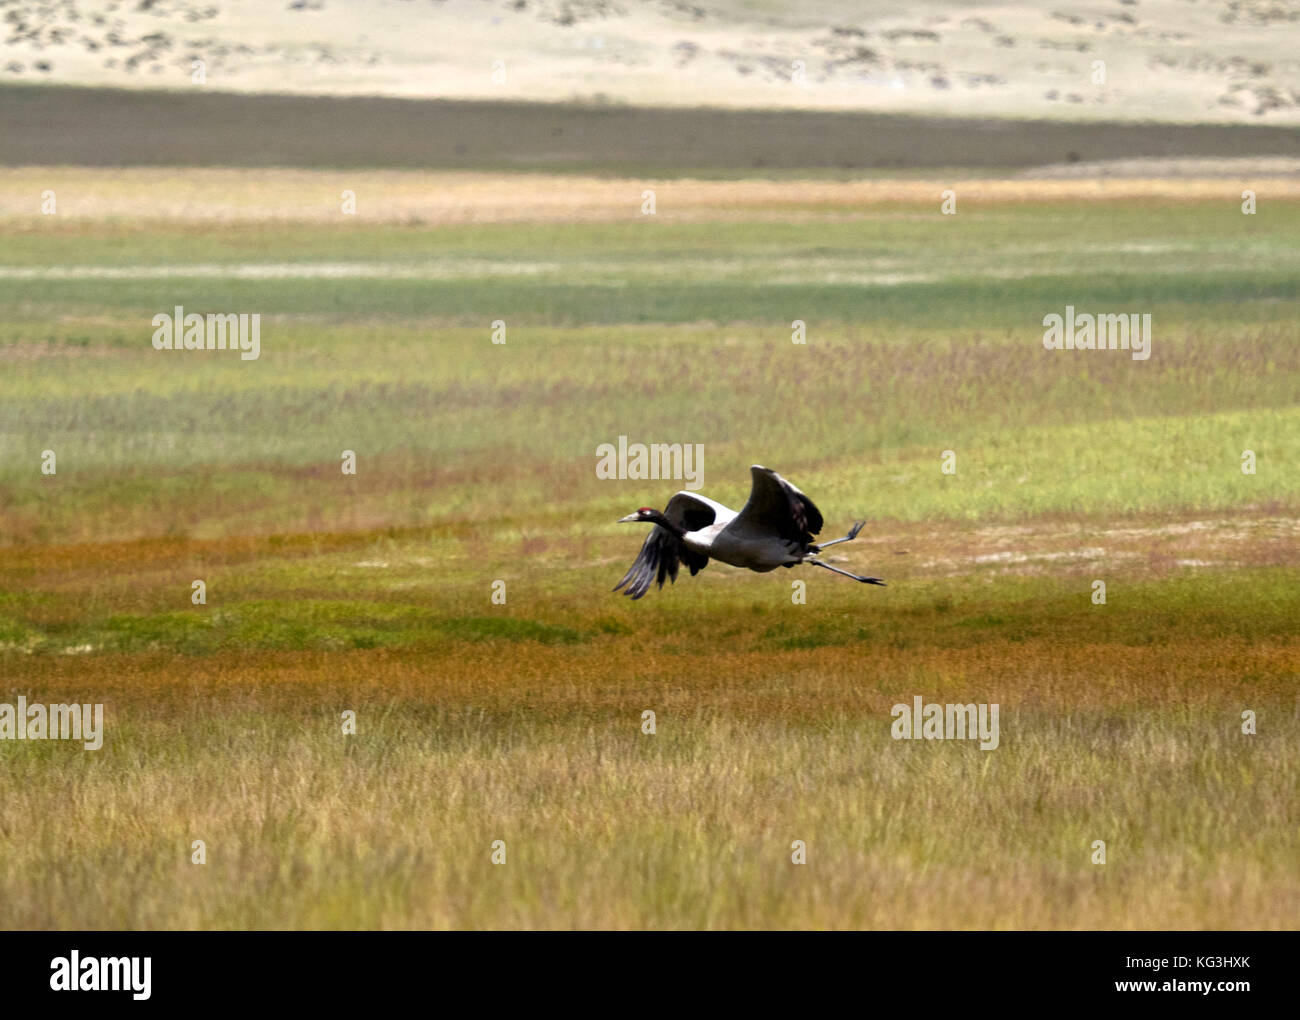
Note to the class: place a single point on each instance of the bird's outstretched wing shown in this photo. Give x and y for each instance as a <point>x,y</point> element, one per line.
<point>691,512</point>
<point>662,552</point>
<point>776,504</point>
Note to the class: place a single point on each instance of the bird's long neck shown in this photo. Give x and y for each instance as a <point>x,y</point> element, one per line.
<point>668,525</point>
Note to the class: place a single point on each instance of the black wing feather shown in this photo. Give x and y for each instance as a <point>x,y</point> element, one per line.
<point>804,511</point>
<point>782,507</point>
<point>663,552</point>
<point>660,556</point>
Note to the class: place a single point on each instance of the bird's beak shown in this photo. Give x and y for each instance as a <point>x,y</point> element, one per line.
<point>628,519</point>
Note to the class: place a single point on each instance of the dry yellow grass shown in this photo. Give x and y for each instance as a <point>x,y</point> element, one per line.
<point>607,827</point>
<point>387,196</point>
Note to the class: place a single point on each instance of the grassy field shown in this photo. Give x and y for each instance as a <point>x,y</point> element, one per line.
<point>476,463</point>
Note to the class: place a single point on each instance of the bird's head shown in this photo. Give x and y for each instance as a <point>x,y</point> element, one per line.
<point>644,515</point>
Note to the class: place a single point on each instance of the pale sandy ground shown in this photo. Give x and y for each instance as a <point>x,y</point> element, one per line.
<point>216,195</point>
<point>1244,540</point>
<point>1165,60</point>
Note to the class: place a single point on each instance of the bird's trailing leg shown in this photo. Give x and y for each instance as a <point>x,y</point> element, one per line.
<point>864,580</point>
<point>853,533</point>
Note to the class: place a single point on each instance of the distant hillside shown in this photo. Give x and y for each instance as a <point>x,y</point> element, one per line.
<point>1231,61</point>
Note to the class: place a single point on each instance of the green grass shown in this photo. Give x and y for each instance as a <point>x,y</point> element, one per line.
<point>446,425</point>
<point>990,267</point>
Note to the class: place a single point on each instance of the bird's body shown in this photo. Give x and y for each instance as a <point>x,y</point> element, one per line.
<point>775,528</point>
